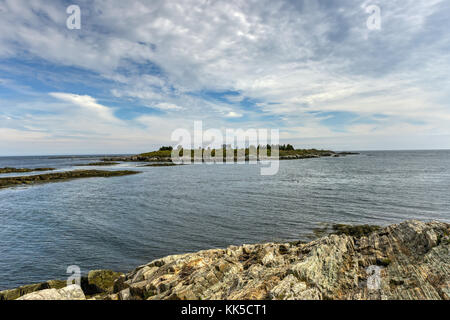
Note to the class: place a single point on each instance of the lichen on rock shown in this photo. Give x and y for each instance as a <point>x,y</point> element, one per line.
<point>409,260</point>
<point>72,292</point>
<point>13,294</point>
<point>412,258</point>
<point>102,281</point>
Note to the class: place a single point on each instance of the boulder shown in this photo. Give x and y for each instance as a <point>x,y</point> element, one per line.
<point>13,294</point>
<point>72,292</point>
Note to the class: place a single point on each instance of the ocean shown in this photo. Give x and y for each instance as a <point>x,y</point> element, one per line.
<point>120,223</point>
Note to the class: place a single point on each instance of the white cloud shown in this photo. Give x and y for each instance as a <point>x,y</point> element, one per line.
<point>294,58</point>
<point>233,114</point>
<point>168,106</point>
<point>234,98</point>
<point>88,103</point>
<point>13,135</point>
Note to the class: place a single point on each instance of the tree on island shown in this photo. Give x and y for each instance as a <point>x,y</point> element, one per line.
<point>287,147</point>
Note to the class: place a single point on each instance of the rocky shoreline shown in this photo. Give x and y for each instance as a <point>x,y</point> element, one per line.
<point>407,261</point>
<point>165,156</point>
<point>8,182</point>
<point>23,170</point>
<point>95,164</point>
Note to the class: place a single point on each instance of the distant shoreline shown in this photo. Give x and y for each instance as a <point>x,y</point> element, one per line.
<point>17,181</point>
<point>165,155</point>
<point>110,154</point>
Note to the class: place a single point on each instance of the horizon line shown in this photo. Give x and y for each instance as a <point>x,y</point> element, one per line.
<point>127,154</point>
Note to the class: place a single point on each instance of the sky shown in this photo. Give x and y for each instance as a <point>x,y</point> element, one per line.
<point>138,70</point>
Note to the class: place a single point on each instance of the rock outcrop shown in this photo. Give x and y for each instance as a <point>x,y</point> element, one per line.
<point>13,294</point>
<point>410,261</point>
<point>72,292</point>
<point>406,261</point>
<point>61,176</point>
<point>22,170</point>
<point>98,283</point>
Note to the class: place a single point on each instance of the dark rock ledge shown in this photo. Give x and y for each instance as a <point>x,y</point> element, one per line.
<point>60,176</point>
<point>95,164</point>
<point>23,170</point>
<point>412,257</point>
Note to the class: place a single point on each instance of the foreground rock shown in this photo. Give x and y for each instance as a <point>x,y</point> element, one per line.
<point>412,258</point>
<point>408,261</point>
<point>13,294</point>
<point>60,176</point>
<point>98,283</point>
<point>72,292</point>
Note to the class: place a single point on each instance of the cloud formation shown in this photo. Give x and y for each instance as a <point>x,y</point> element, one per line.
<point>88,103</point>
<point>311,68</point>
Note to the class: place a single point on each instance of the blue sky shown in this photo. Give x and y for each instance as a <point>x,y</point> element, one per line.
<point>138,70</point>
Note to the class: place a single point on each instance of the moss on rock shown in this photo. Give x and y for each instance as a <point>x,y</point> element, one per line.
<point>355,231</point>
<point>103,280</point>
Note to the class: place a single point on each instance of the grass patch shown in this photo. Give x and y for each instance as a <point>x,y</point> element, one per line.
<point>166,164</point>
<point>156,154</point>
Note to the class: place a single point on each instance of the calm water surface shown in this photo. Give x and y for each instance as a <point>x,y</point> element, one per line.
<point>122,222</point>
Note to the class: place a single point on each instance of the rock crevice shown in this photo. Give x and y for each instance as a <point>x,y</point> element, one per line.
<point>411,261</point>
<point>405,261</point>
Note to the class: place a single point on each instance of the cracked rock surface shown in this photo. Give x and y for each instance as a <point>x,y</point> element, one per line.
<point>405,261</point>
<point>72,292</point>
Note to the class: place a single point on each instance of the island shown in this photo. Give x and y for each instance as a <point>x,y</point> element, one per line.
<point>286,152</point>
